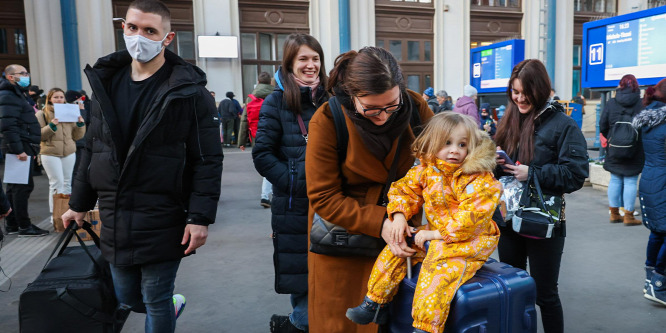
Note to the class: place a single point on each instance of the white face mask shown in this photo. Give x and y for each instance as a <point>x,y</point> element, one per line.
<point>143,49</point>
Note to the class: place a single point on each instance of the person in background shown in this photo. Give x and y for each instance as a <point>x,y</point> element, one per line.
<point>58,146</point>
<point>444,101</point>
<point>20,136</point>
<point>580,99</point>
<point>229,110</point>
<point>81,99</point>
<point>467,105</point>
<point>248,125</point>
<point>487,122</point>
<point>378,109</point>
<point>553,97</point>
<point>624,171</point>
<point>433,102</point>
<point>37,95</point>
<point>279,155</point>
<point>651,122</point>
<point>538,135</point>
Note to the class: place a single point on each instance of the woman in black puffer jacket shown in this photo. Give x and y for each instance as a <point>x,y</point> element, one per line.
<point>279,155</point>
<point>624,171</point>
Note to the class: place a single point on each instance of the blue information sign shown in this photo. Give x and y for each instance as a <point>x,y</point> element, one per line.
<point>491,65</point>
<point>628,44</point>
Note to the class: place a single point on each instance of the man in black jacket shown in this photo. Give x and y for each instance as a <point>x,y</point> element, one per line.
<point>21,135</point>
<point>152,162</point>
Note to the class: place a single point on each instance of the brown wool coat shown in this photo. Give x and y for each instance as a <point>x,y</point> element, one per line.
<point>338,283</point>
<point>60,143</point>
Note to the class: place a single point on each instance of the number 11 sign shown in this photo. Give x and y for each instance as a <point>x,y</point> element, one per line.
<point>597,54</point>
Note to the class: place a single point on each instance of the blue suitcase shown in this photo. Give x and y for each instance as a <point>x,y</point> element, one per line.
<point>498,299</point>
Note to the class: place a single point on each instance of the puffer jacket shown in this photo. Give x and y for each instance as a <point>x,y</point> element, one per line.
<point>465,105</point>
<point>560,159</point>
<point>279,155</point>
<point>260,91</point>
<point>62,141</point>
<point>171,176</point>
<point>626,102</point>
<point>652,189</point>
<point>18,124</point>
<point>433,105</point>
<point>462,210</point>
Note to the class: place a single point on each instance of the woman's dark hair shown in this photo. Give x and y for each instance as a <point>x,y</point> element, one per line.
<point>629,81</point>
<point>519,128</point>
<point>369,71</point>
<point>655,93</point>
<point>292,92</point>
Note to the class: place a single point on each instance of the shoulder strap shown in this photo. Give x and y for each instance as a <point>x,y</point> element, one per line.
<point>301,124</point>
<point>341,132</point>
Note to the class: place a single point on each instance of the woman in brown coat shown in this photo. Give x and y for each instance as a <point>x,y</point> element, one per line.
<point>58,146</point>
<point>378,109</point>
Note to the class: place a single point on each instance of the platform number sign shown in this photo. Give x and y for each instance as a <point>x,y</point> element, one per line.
<point>597,54</point>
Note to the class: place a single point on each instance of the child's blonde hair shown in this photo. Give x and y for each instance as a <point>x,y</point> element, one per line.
<point>437,132</point>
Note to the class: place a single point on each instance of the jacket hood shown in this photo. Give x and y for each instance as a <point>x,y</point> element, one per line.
<point>626,97</point>
<point>464,101</point>
<point>482,159</point>
<point>182,71</point>
<point>278,80</point>
<point>650,117</point>
<point>262,90</point>
<point>6,85</point>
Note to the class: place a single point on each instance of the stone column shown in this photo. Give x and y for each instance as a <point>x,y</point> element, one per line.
<point>45,44</point>
<point>362,24</point>
<point>324,26</point>
<point>96,33</point>
<point>531,29</point>
<point>451,56</point>
<point>220,16</point>
<point>564,49</point>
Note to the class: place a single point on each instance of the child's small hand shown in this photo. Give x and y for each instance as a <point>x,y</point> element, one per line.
<point>399,228</point>
<point>421,237</point>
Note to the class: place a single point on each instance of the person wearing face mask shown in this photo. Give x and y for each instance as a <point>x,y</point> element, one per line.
<point>152,161</point>
<point>58,148</point>
<point>379,111</point>
<point>279,156</point>
<point>20,136</point>
<point>536,132</point>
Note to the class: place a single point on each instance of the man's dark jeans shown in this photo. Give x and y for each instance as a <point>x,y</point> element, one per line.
<point>18,195</point>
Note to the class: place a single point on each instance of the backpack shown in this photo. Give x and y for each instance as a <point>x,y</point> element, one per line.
<point>253,108</point>
<point>622,138</point>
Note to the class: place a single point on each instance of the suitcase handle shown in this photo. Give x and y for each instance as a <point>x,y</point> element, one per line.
<point>67,237</point>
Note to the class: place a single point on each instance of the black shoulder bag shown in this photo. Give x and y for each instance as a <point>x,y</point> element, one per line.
<point>538,214</point>
<point>331,239</point>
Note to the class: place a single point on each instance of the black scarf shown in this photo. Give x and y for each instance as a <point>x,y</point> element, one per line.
<point>378,139</point>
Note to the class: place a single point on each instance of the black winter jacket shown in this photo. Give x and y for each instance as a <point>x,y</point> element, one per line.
<point>560,153</point>
<point>279,155</point>
<point>629,103</point>
<point>20,129</point>
<point>171,176</point>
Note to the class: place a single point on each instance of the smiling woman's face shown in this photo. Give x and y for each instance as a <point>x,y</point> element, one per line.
<point>518,97</point>
<point>306,65</point>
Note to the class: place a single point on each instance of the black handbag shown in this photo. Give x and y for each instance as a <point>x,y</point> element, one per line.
<point>539,214</point>
<point>74,291</point>
<point>331,239</point>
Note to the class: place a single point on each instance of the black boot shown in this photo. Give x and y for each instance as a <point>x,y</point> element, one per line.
<point>282,324</point>
<point>369,312</point>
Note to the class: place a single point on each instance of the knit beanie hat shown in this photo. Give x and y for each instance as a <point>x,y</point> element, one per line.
<point>430,92</point>
<point>469,91</point>
<point>72,95</point>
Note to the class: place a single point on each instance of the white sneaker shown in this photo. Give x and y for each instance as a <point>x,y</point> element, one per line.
<point>178,304</point>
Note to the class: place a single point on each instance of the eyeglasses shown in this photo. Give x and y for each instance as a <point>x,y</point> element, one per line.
<point>374,112</point>
<point>21,74</point>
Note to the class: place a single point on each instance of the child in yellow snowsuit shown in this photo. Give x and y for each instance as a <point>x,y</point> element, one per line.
<point>456,187</point>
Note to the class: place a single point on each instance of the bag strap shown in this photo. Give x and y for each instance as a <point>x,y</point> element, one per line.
<point>392,172</point>
<point>67,237</point>
<point>341,132</point>
<point>301,124</point>
<point>66,297</point>
<point>532,178</point>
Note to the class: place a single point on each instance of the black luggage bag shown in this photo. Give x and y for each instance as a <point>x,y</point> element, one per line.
<point>73,293</point>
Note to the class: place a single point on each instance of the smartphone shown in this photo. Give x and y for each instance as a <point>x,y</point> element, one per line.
<point>507,160</point>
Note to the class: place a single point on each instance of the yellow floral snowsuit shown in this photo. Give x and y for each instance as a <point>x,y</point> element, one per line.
<point>460,206</point>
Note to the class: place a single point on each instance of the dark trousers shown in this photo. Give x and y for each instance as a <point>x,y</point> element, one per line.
<point>656,251</point>
<point>227,130</point>
<point>18,195</point>
<point>544,257</point>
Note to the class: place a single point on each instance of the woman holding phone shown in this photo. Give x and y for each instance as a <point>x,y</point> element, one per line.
<point>58,146</point>
<point>536,134</point>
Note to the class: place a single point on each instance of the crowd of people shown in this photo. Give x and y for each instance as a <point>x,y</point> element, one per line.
<point>352,148</point>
